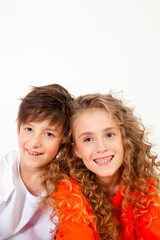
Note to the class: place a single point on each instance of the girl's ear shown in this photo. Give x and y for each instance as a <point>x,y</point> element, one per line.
<point>75,150</point>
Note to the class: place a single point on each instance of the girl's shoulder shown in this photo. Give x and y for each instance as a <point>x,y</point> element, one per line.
<point>71,200</point>
<point>70,189</point>
<point>67,188</point>
<point>152,190</point>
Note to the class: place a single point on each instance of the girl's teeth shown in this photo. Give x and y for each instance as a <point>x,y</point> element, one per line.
<point>104,161</point>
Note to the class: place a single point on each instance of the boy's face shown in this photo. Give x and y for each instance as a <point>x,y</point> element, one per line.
<point>39,143</point>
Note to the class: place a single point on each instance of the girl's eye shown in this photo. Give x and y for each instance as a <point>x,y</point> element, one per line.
<point>49,134</point>
<point>88,139</point>
<point>28,129</point>
<point>110,135</point>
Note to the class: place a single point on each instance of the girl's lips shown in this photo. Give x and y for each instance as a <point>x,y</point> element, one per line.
<point>103,160</point>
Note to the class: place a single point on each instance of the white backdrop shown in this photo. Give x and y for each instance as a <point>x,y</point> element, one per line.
<point>87,46</point>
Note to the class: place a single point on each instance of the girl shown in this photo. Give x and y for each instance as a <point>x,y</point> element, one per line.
<point>109,182</point>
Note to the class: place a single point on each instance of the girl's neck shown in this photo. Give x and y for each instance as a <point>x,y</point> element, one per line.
<point>110,184</point>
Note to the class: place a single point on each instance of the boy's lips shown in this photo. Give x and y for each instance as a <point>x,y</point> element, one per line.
<point>104,160</point>
<point>34,153</point>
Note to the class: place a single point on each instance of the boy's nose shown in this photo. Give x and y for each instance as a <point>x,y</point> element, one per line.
<point>36,141</point>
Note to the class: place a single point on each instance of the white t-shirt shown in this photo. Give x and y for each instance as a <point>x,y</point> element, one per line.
<point>20,215</point>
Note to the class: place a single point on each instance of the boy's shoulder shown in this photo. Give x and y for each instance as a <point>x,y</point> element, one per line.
<point>8,172</point>
<point>8,161</point>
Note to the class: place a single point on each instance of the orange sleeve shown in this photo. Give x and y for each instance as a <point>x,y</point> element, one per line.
<point>72,204</point>
<point>152,230</point>
<point>150,223</point>
<point>75,231</point>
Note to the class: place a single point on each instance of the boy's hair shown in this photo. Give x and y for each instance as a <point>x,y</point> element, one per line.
<point>51,102</point>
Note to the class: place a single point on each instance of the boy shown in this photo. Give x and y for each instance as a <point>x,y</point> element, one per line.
<point>43,121</point>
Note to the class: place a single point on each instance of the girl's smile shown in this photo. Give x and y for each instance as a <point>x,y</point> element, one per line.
<point>103,160</point>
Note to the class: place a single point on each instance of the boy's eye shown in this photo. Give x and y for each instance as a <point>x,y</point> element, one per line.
<point>28,129</point>
<point>110,135</point>
<point>88,139</point>
<point>49,134</point>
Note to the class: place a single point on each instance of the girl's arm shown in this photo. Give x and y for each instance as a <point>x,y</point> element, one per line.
<point>75,231</point>
<point>149,223</point>
<point>72,208</point>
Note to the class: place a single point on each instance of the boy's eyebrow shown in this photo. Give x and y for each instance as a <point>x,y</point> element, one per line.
<point>106,129</point>
<point>48,128</point>
<point>51,129</point>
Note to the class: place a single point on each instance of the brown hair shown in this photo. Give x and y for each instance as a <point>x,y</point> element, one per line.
<point>50,101</point>
<point>138,166</point>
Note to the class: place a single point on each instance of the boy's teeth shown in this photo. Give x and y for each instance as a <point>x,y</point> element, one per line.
<point>104,161</point>
<point>35,154</point>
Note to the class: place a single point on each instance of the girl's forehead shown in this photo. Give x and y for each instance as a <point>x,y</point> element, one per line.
<point>90,114</point>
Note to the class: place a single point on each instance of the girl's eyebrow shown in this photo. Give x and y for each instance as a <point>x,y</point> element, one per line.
<point>84,134</point>
<point>111,129</point>
<point>105,130</point>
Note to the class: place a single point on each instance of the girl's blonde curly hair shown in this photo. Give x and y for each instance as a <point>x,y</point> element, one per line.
<point>139,165</point>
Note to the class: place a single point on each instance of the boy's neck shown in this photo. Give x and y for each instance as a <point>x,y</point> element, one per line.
<point>32,180</point>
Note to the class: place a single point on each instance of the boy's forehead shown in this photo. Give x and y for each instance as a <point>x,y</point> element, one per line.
<point>46,122</point>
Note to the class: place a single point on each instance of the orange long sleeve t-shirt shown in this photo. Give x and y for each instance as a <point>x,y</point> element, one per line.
<point>146,227</point>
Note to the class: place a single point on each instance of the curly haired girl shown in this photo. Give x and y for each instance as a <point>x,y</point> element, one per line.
<point>108,183</point>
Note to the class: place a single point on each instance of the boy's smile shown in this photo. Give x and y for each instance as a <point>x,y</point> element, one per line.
<point>39,143</point>
<point>34,153</point>
<point>99,143</point>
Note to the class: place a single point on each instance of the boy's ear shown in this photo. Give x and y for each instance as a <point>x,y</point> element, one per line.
<point>75,150</point>
<point>18,127</point>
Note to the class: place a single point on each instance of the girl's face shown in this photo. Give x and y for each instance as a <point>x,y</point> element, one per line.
<point>98,142</point>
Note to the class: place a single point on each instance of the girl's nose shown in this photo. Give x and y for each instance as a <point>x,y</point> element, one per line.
<point>101,145</point>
